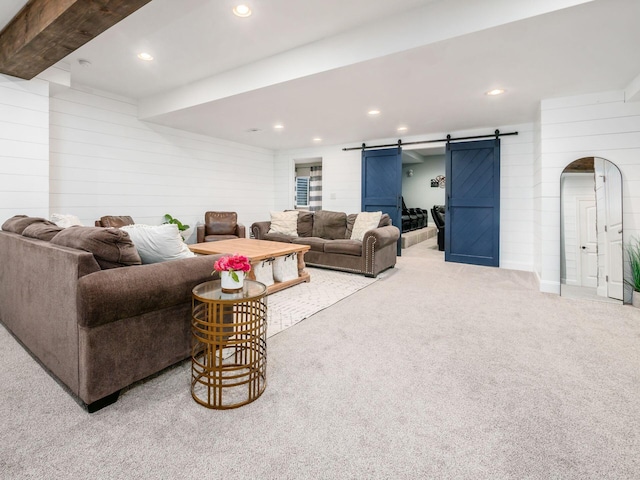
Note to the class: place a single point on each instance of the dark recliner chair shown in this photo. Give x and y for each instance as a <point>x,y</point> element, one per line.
<point>422,217</point>
<point>437,212</point>
<point>220,226</point>
<point>409,218</point>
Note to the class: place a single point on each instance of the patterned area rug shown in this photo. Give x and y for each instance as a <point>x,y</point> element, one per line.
<point>290,306</point>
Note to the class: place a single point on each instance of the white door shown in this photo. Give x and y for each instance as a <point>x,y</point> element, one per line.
<point>588,243</point>
<point>613,192</point>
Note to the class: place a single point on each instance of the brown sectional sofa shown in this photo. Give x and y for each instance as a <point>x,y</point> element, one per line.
<point>94,323</point>
<point>329,236</point>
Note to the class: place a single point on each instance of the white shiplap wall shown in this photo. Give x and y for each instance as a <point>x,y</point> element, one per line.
<point>104,161</point>
<point>342,183</point>
<point>24,147</point>
<point>600,125</point>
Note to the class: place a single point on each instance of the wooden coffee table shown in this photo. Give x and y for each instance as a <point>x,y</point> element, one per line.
<point>256,251</point>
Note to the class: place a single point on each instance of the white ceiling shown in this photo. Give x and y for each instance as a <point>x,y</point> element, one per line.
<point>317,66</point>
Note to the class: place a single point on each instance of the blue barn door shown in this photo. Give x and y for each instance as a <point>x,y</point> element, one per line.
<point>472,218</point>
<point>382,183</point>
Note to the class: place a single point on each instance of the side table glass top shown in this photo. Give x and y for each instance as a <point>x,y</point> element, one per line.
<point>213,291</point>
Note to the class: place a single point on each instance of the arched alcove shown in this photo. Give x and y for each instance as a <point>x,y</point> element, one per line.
<point>591,248</point>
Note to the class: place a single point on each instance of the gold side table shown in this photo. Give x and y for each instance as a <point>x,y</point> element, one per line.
<point>229,353</point>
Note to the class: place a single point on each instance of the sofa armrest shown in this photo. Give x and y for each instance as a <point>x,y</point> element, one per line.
<point>383,236</point>
<point>110,295</point>
<point>241,231</point>
<point>199,233</point>
<point>260,229</point>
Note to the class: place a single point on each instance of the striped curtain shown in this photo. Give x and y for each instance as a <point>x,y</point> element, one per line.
<point>315,189</point>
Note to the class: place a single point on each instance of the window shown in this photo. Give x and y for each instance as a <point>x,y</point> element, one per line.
<point>302,192</point>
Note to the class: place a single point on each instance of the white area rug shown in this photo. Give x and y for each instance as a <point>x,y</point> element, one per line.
<point>290,306</point>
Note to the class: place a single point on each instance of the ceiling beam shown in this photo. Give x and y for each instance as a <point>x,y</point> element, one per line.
<point>46,31</point>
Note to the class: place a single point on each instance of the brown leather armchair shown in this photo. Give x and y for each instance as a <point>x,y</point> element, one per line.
<point>220,226</point>
<point>114,221</point>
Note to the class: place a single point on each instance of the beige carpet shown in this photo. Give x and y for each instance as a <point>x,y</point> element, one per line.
<point>436,371</point>
<point>290,306</point>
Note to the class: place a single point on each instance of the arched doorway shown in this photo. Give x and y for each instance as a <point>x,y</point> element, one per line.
<point>591,249</point>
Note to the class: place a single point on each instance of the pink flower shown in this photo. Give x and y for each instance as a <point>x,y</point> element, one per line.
<point>232,263</point>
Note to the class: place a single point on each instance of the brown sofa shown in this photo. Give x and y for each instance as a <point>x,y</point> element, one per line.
<point>94,323</point>
<point>329,236</point>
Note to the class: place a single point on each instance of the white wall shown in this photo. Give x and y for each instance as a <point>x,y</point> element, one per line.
<point>24,147</point>
<point>104,161</point>
<point>342,183</point>
<point>537,197</point>
<point>600,125</point>
<point>340,178</point>
<point>417,190</point>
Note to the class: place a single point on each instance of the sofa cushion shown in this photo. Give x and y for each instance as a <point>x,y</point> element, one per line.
<point>365,221</point>
<point>18,223</point>
<point>116,221</point>
<point>217,238</point>
<point>345,247</point>
<point>305,224</point>
<point>285,222</point>
<point>351,219</point>
<point>329,225</point>
<point>317,244</point>
<point>42,230</point>
<point>385,220</point>
<point>111,247</point>
<point>278,237</point>
<point>158,243</point>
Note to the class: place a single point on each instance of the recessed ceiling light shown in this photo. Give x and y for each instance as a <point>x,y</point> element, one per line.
<point>495,91</point>
<point>241,11</point>
<point>317,139</point>
<point>374,112</point>
<point>402,129</point>
<point>145,56</point>
<point>278,126</point>
<point>84,63</point>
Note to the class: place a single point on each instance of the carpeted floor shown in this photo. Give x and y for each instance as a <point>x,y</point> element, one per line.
<point>288,307</point>
<point>437,370</point>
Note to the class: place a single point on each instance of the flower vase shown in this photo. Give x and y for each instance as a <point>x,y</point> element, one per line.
<point>228,284</point>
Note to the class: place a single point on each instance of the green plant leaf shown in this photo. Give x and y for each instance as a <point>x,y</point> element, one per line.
<point>633,252</point>
<point>234,275</point>
<point>169,219</point>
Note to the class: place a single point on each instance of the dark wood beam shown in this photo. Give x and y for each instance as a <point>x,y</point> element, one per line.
<point>46,31</point>
<point>582,165</point>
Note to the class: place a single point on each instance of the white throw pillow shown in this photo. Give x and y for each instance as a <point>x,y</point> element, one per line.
<point>285,223</point>
<point>158,243</point>
<point>65,221</point>
<point>365,221</point>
